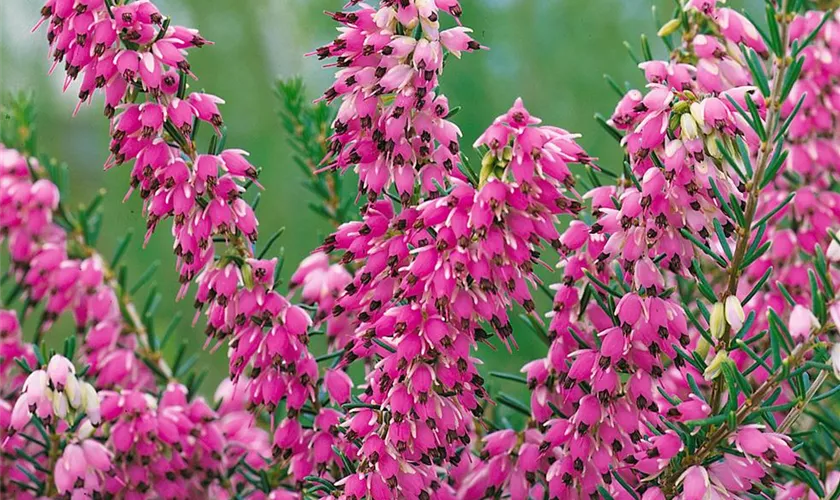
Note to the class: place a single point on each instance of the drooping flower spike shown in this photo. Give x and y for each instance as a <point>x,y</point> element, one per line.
<point>694,310</point>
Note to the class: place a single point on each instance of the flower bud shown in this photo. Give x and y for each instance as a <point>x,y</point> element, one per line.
<point>668,28</point>
<point>833,251</point>
<point>716,321</point>
<point>703,347</point>
<point>712,147</point>
<point>688,126</point>
<point>698,114</point>
<point>72,390</point>
<point>58,370</point>
<point>60,405</point>
<point>802,322</point>
<point>714,368</point>
<point>734,312</point>
<point>90,403</point>
<point>835,360</point>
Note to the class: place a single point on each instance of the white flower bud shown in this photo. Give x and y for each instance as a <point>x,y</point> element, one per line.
<point>734,313</point>
<point>716,321</point>
<point>85,430</point>
<point>688,128</point>
<point>73,391</point>
<point>90,403</point>
<point>833,251</point>
<point>697,113</point>
<point>835,360</point>
<point>60,405</point>
<point>714,368</point>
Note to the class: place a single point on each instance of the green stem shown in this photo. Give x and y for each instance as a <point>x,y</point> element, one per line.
<point>765,153</point>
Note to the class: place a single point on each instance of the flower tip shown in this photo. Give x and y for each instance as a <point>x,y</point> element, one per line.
<point>668,28</point>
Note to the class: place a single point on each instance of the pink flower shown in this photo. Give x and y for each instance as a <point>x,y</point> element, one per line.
<point>696,485</point>
<point>338,385</point>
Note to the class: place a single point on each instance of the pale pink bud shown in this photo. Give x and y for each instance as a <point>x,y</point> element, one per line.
<point>58,369</point>
<point>802,322</point>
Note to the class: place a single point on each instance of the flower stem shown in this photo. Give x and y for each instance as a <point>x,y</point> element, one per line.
<point>772,124</point>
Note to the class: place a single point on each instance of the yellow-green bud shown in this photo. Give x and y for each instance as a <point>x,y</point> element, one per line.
<point>714,368</point>
<point>717,323</point>
<point>668,28</point>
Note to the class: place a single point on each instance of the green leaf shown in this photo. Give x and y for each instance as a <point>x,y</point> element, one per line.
<point>603,286</point>
<point>828,394</point>
<point>122,245</point>
<point>746,116</point>
<point>775,39</point>
<point>821,266</point>
<point>348,465</point>
<point>727,155</point>
<point>383,345</point>
<point>452,112</point>
<point>145,277</point>
<point>536,327</point>
<point>510,376</point>
<point>274,237</point>
<point>775,165</point>
<point>705,422</point>
<point>774,210</point>
<point>755,66</point>
<point>743,151</point>
<point>786,124</point>
<point>756,116</point>
<point>185,367</point>
<point>513,403</point>
<point>810,38</point>
<point>614,85</point>
<point>767,38</point>
<point>758,359</point>
<point>615,134</point>
<point>817,301</point>
<point>791,77</point>
<point>170,329</point>
<point>776,321</point>
<point>631,53</point>
<point>702,284</point>
<point>752,257</point>
<point>783,290</point>
<point>758,286</point>
<point>629,489</point>
<point>70,347</point>
<point>646,52</point>
<point>315,479</point>
<point>722,238</point>
<point>329,356</point>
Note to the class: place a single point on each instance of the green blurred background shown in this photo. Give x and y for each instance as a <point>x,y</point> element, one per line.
<point>553,53</point>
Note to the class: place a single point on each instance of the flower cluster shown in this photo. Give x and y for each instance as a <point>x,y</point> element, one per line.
<point>432,275</point>
<point>320,284</point>
<point>392,124</point>
<point>140,60</point>
<point>87,36</point>
<point>55,269</point>
<point>172,447</point>
<point>54,398</point>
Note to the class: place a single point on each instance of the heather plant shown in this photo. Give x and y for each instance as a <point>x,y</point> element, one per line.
<point>691,349</point>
